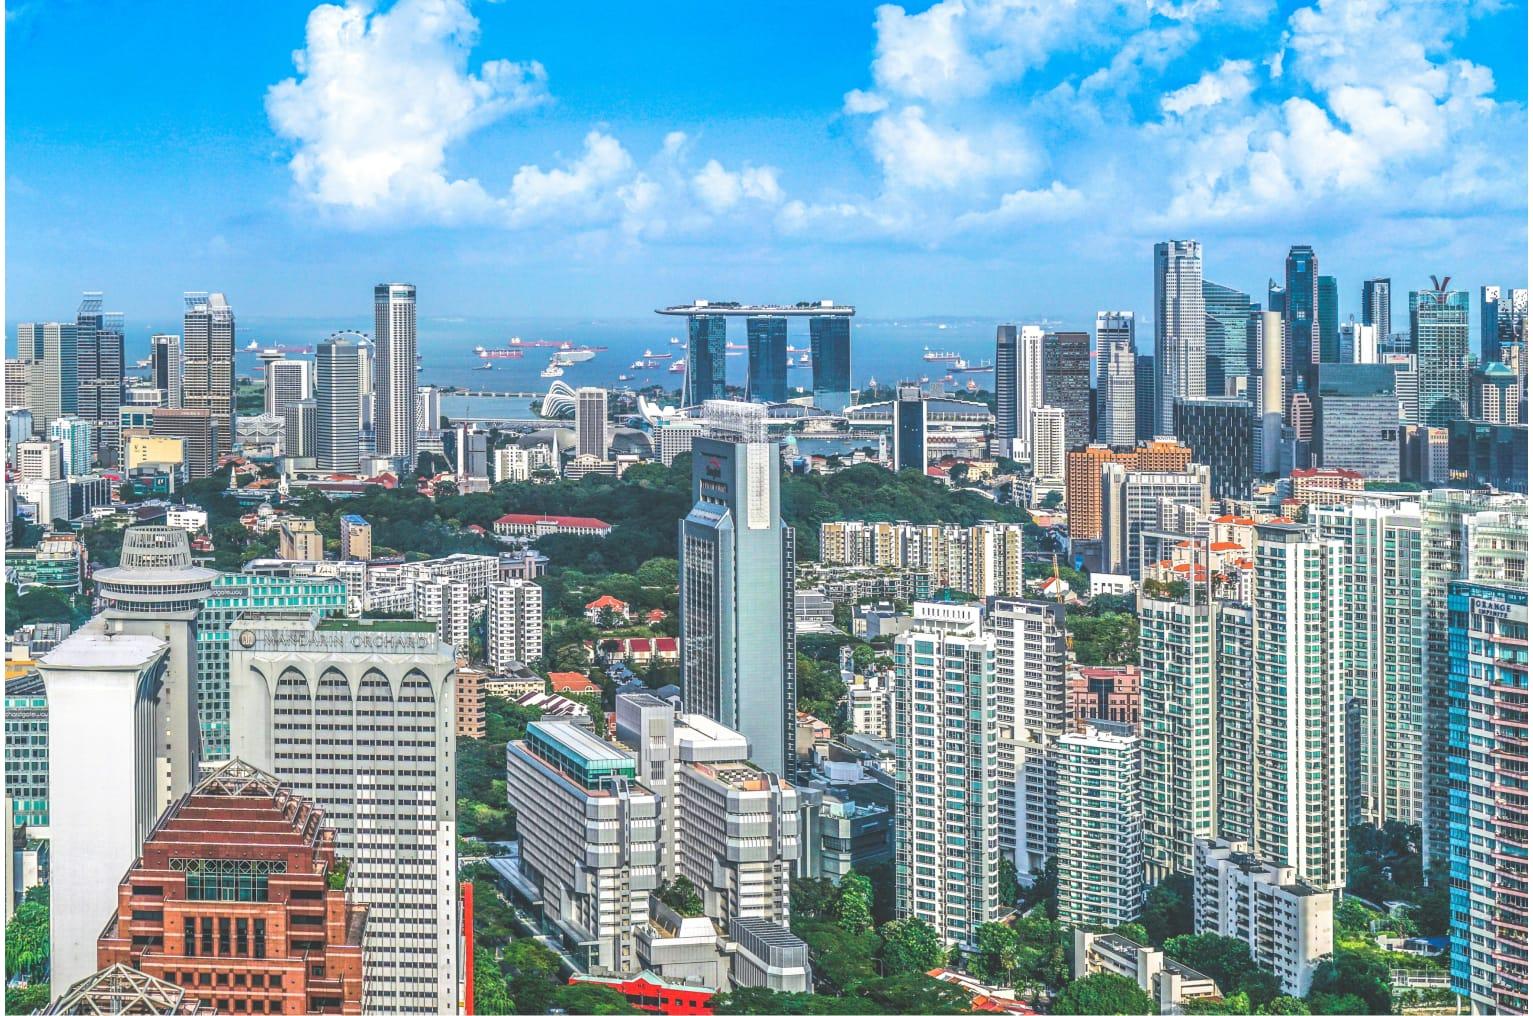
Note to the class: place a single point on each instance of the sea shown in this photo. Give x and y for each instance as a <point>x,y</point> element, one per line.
<point>883,351</point>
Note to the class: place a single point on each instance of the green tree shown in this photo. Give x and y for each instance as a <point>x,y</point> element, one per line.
<point>26,935</point>
<point>596,999</point>
<point>1360,972</point>
<point>681,896</point>
<point>812,899</point>
<point>910,945</point>
<point>490,993</point>
<point>1228,961</point>
<point>996,951</point>
<point>1103,993</point>
<point>29,999</point>
<point>915,993</point>
<point>1324,1004</point>
<point>1134,933</point>
<point>1285,1005</point>
<point>1168,909</point>
<point>854,908</point>
<point>1008,882</point>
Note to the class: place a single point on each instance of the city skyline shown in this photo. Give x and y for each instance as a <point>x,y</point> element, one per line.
<point>558,176</point>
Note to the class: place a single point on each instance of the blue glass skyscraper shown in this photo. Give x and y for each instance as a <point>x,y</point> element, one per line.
<point>830,346</point>
<point>705,359</point>
<point>766,343</point>
<point>1226,320</point>
<point>1328,320</point>
<point>1301,299</point>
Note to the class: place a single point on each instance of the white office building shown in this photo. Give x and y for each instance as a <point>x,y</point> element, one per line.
<point>358,717</point>
<point>1049,446</point>
<point>947,806</point>
<point>106,705</point>
<point>40,460</point>
<point>1101,843</point>
<point>394,379</point>
<point>75,444</point>
<point>287,382</point>
<point>1180,339</point>
<point>513,620</point>
<point>1115,378</point>
<point>1286,923</point>
<point>1133,505</point>
<point>674,437</point>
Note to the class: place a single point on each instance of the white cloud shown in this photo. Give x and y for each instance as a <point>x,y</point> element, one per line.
<point>575,189</point>
<point>857,101</point>
<point>919,155</point>
<point>382,96</point>
<point>1230,83</point>
<point>1048,204</point>
<point>721,190</point>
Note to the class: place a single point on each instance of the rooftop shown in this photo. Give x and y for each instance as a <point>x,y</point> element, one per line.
<point>95,648</point>
<point>806,309</point>
<point>374,624</point>
<point>570,521</point>
<point>577,740</point>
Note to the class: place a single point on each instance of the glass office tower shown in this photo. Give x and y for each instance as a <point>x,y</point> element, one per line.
<point>705,359</point>
<point>766,341</point>
<point>830,347</point>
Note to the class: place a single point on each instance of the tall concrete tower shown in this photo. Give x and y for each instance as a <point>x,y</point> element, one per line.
<point>156,590</point>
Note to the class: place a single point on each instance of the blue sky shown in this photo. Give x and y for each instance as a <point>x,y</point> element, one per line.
<point>1012,159</point>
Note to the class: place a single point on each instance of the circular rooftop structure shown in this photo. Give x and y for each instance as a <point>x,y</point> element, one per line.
<point>155,574</point>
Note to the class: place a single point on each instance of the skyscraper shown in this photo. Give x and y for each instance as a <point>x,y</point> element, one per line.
<point>300,425</point>
<point>287,382</point>
<point>156,590</point>
<point>1503,321</point>
<point>1227,317</point>
<point>1382,604</point>
<point>1328,320</point>
<point>1180,341</point>
<point>53,375</point>
<point>1180,738</point>
<point>1219,432</point>
<point>1479,538</point>
<point>513,617</point>
<point>1298,683</point>
<point>591,422</point>
<point>947,808</point>
<point>208,343</point>
<point>909,428</point>
<point>358,717</point>
<point>394,372</point>
<point>1031,714</point>
<point>166,368</point>
<point>1006,378</point>
<point>738,656</point>
<point>1301,300</point>
<point>766,342</point>
<point>830,350</point>
<point>1101,826</point>
<point>337,405</point>
<point>1376,306</point>
<point>1116,386</point>
<point>99,337</point>
<point>705,359</point>
<point>105,703</point>
<point>1488,883</point>
<point>1269,344</point>
<point>1145,404</point>
<point>1440,333</point>
<point>1049,444</point>
<point>1357,419</point>
<point>1067,383</point>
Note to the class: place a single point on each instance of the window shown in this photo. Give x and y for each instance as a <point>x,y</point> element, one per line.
<point>226,879</point>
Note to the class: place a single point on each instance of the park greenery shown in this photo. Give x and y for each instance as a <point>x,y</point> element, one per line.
<point>26,936</point>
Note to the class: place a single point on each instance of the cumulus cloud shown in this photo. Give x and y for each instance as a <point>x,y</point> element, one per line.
<point>382,96</point>
<point>920,155</point>
<point>1231,82</point>
<point>379,99</point>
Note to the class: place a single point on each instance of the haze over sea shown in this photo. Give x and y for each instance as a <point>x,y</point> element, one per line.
<point>885,350</point>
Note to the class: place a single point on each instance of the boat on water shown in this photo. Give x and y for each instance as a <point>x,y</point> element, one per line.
<point>803,360</point>
<point>964,367</point>
<point>972,386</point>
<point>649,355</point>
<point>566,357</point>
<point>497,354</point>
<point>254,347</point>
<point>679,367</point>
<point>486,365</point>
<point>733,352</point>
<point>624,377</point>
<point>675,341</point>
<point>938,356</point>
<point>638,365</point>
<point>735,345</point>
<point>552,370</point>
<point>925,379</point>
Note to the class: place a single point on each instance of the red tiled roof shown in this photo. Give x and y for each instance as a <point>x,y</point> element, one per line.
<point>568,521</point>
<point>666,645</point>
<point>571,681</point>
<point>606,600</point>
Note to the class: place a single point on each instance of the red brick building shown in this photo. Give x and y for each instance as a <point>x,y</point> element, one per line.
<point>1104,693</point>
<point>238,899</point>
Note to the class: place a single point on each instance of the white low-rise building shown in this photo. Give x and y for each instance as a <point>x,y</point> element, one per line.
<point>1286,923</point>
<point>1170,983</point>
